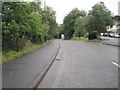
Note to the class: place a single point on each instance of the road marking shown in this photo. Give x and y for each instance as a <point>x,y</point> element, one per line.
<point>116,64</point>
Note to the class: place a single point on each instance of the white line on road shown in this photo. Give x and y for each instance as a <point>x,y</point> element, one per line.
<point>116,64</point>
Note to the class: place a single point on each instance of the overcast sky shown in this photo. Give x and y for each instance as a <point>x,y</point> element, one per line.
<point>63,7</point>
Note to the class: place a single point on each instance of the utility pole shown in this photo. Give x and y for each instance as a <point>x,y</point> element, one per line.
<point>119,8</point>
<point>44,4</point>
<point>44,11</point>
<point>45,17</point>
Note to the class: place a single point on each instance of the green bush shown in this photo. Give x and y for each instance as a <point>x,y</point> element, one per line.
<point>12,54</point>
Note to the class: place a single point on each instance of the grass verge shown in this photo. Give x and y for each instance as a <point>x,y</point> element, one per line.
<point>85,39</point>
<point>11,55</point>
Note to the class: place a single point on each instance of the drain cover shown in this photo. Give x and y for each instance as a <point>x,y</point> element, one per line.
<point>58,59</point>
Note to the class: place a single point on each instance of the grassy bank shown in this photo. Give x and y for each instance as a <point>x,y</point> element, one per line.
<point>11,55</point>
<point>85,39</point>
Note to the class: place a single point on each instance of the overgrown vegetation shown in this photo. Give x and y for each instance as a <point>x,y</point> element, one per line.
<point>23,22</point>
<point>80,24</point>
<point>69,21</point>
<point>85,39</point>
<point>12,54</point>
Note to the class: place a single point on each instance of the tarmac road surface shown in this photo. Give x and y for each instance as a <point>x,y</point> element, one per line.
<point>83,64</point>
<point>23,71</point>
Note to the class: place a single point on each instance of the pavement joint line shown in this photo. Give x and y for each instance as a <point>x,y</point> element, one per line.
<point>44,72</point>
<point>116,64</point>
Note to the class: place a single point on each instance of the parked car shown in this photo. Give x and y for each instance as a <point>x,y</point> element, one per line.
<point>105,34</point>
<point>116,35</point>
<point>111,34</point>
<point>101,34</point>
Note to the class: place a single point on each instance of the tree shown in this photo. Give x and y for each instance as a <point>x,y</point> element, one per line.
<point>79,27</point>
<point>48,17</point>
<point>99,19</point>
<point>69,22</point>
<point>117,17</point>
<point>26,21</point>
<point>14,16</point>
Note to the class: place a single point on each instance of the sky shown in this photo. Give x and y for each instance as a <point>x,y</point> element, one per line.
<point>63,7</point>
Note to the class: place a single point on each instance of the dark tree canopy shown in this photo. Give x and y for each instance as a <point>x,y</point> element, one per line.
<point>99,18</point>
<point>69,22</point>
<point>26,21</point>
<point>78,23</point>
<point>116,18</point>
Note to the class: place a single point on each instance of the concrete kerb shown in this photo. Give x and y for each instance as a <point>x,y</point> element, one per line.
<point>41,76</point>
<point>111,44</point>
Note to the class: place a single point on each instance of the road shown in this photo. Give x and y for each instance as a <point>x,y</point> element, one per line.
<point>111,41</point>
<point>79,64</point>
<point>23,71</point>
<point>83,64</point>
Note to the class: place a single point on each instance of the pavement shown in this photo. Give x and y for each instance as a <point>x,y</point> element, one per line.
<point>111,41</point>
<point>82,64</point>
<point>23,71</point>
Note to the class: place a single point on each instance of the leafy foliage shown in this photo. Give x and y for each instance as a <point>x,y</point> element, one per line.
<point>79,27</point>
<point>99,19</point>
<point>69,22</point>
<point>78,23</point>
<point>117,17</point>
<point>23,21</point>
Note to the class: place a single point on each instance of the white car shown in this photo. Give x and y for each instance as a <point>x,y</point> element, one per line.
<point>116,35</point>
<point>111,35</point>
<point>101,34</point>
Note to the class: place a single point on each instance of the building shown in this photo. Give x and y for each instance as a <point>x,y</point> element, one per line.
<point>115,28</point>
